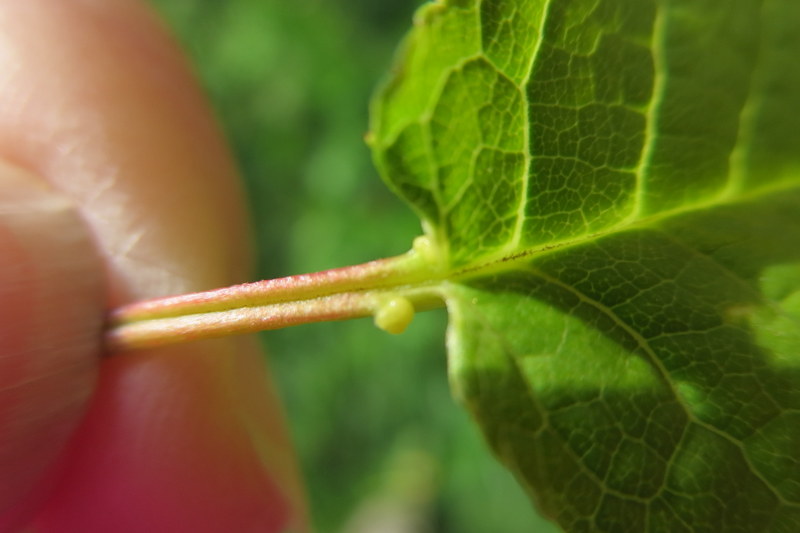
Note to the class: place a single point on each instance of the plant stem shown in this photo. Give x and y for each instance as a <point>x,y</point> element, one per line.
<point>337,294</point>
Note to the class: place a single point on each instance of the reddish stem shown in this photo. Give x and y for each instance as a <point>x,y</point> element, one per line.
<point>337,294</point>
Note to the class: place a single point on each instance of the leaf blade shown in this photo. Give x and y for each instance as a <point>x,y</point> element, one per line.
<point>644,215</point>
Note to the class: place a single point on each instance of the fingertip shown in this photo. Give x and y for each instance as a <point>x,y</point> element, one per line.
<point>179,440</point>
<point>99,101</point>
<point>51,306</point>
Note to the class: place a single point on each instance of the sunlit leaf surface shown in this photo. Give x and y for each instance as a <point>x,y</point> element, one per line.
<point>615,188</point>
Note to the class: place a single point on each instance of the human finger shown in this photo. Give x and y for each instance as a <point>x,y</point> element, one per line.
<point>121,129</point>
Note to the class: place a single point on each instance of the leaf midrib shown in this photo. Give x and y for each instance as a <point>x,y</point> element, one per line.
<point>505,261</point>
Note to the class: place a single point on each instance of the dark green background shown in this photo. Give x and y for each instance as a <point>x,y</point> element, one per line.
<point>371,414</point>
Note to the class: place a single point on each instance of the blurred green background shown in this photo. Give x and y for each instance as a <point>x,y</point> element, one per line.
<point>380,440</point>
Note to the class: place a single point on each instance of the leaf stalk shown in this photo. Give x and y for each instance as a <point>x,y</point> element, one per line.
<point>337,294</point>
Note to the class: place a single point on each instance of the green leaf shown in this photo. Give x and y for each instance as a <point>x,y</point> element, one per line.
<point>613,189</point>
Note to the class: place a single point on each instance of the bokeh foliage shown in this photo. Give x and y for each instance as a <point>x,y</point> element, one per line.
<point>371,414</point>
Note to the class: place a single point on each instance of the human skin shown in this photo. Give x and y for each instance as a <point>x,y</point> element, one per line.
<point>116,186</point>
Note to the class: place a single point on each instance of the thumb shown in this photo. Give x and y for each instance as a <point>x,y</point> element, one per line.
<point>50,319</point>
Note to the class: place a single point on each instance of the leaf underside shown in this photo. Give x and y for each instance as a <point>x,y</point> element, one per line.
<point>616,187</point>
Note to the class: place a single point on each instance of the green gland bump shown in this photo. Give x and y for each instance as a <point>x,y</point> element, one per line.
<point>394,315</point>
